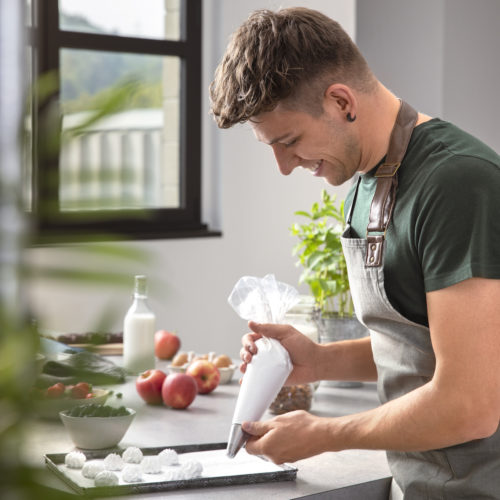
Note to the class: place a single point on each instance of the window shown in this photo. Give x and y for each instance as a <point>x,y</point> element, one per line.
<point>117,146</point>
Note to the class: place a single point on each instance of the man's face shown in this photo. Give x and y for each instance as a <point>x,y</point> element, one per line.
<point>326,145</point>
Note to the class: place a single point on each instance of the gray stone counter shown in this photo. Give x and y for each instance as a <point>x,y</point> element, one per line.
<point>208,420</point>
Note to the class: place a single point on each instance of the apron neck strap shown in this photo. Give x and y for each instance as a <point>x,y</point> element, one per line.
<point>387,182</point>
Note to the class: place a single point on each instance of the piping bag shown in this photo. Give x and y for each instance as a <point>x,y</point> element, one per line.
<point>263,300</point>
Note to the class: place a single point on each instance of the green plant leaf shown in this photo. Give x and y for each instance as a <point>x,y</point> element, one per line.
<point>79,276</point>
<point>320,253</point>
<point>113,102</point>
<point>329,286</point>
<point>303,213</point>
<point>333,241</point>
<point>315,260</point>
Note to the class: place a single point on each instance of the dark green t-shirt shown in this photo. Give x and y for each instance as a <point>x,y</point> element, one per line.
<point>445,226</point>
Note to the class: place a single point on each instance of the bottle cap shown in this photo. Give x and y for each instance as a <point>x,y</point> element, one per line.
<point>141,283</point>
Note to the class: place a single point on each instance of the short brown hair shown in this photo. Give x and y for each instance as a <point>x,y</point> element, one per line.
<point>291,53</point>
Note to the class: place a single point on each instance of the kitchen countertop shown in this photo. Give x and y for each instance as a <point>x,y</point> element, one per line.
<point>208,420</point>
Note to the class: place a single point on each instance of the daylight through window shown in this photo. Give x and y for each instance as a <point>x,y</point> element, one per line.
<point>118,89</point>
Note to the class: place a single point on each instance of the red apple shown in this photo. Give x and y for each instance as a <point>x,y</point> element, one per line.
<point>179,390</point>
<point>166,344</point>
<point>55,391</point>
<point>81,390</point>
<point>206,374</point>
<point>148,385</point>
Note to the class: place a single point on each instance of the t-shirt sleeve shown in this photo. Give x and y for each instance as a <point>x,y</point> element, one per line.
<point>457,227</point>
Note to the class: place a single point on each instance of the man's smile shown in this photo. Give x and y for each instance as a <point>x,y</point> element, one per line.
<point>315,168</point>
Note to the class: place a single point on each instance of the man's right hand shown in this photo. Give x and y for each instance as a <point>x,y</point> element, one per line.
<point>303,352</point>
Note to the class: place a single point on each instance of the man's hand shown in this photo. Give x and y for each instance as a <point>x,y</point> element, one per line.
<point>303,352</point>
<point>289,437</point>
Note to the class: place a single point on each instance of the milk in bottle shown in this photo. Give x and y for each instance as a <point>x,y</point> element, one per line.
<point>138,331</point>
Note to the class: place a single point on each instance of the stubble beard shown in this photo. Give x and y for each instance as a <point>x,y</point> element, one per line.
<point>344,171</point>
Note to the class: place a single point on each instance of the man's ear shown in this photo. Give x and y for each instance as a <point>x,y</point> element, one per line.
<point>340,99</point>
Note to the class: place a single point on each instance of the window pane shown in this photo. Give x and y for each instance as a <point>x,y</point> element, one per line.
<point>129,159</point>
<point>145,19</point>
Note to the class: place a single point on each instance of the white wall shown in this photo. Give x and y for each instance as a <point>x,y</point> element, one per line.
<point>439,55</point>
<point>471,69</point>
<point>245,197</point>
<point>402,42</point>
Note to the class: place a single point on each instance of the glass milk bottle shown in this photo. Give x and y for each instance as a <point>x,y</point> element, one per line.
<point>138,332</point>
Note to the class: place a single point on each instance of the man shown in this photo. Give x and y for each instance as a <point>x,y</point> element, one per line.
<point>422,248</point>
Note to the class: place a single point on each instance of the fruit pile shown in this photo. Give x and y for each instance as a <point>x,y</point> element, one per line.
<point>178,390</point>
<point>167,345</point>
<point>82,390</point>
<point>184,359</point>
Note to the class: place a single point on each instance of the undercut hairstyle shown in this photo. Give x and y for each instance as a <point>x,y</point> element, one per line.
<point>290,56</point>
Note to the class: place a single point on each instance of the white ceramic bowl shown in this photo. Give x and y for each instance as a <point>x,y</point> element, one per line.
<point>178,369</point>
<point>226,374</point>
<point>97,433</point>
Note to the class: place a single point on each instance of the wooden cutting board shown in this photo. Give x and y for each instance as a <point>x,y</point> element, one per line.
<point>103,349</point>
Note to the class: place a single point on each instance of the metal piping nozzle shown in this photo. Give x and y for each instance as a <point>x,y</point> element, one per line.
<point>237,438</point>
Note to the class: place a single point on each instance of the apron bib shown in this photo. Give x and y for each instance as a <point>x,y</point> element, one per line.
<point>403,352</point>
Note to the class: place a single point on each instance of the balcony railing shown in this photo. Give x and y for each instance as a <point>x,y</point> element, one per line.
<point>118,164</point>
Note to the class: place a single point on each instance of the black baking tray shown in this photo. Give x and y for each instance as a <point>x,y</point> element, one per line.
<point>55,463</point>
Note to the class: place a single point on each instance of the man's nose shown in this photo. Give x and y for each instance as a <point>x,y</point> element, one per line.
<point>287,161</point>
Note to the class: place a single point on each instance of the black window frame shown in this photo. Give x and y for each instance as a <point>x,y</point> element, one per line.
<point>50,224</point>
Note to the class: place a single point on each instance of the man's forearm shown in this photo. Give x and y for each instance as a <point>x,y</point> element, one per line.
<point>347,360</point>
<point>426,418</point>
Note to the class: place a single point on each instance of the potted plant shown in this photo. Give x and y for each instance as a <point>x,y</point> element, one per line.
<point>320,254</point>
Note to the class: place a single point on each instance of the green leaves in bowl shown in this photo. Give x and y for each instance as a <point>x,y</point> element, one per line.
<point>95,410</point>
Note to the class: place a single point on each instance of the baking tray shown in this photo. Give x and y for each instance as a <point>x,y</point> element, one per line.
<point>243,469</point>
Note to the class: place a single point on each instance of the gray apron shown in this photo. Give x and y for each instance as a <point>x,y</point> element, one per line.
<point>403,352</point>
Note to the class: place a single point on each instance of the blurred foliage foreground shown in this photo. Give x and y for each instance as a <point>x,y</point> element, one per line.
<point>19,338</point>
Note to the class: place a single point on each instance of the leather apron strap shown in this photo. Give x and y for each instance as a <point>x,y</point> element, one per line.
<point>387,182</point>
